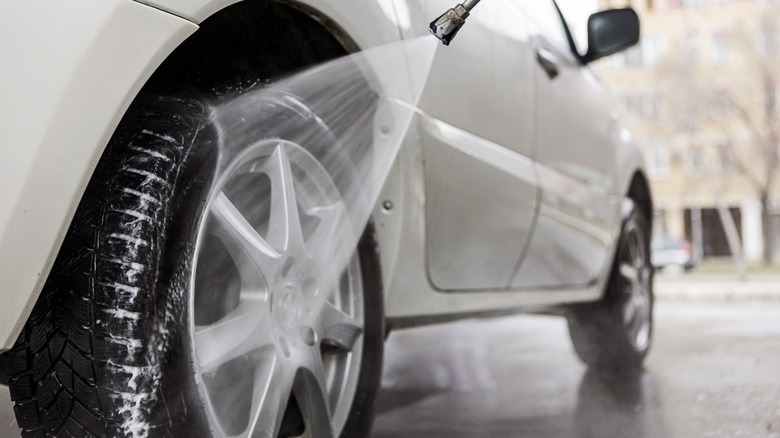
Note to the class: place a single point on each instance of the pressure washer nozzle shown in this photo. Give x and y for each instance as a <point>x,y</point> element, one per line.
<point>448,24</point>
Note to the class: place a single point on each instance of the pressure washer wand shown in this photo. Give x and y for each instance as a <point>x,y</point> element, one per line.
<point>446,26</point>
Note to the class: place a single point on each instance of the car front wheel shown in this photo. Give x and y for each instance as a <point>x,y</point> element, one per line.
<point>197,292</point>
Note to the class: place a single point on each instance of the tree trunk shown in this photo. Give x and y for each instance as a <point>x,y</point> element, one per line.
<point>767,231</point>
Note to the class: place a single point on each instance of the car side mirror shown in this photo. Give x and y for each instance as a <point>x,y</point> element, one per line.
<point>610,32</point>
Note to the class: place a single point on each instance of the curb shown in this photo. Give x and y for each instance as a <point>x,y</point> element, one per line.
<point>703,289</point>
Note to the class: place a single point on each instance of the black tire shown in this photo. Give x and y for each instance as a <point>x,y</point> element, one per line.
<point>602,336</point>
<point>104,352</point>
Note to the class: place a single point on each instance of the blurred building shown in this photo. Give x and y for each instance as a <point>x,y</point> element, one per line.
<point>701,94</point>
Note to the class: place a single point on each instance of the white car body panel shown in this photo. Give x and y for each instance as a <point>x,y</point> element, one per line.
<point>109,48</point>
<point>489,235</point>
<point>478,132</point>
<point>412,293</point>
<point>76,67</point>
<point>368,23</point>
<point>575,157</point>
<point>410,297</point>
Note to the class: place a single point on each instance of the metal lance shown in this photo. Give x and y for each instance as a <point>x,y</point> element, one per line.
<point>448,24</point>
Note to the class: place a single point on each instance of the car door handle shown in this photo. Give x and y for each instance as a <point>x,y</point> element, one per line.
<point>548,61</point>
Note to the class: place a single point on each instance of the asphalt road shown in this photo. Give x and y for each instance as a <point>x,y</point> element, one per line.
<point>714,371</point>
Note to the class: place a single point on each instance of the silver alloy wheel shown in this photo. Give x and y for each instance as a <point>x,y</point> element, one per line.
<point>636,272</point>
<point>275,333</point>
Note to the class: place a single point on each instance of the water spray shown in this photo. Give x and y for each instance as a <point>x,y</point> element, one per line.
<point>300,166</point>
<point>448,24</point>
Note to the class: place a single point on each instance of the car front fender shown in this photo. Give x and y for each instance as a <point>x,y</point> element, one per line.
<point>70,70</point>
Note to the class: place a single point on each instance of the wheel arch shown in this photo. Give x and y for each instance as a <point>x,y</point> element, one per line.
<point>252,40</point>
<point>176,57</point>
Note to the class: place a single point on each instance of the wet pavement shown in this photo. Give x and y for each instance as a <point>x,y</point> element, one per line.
<point>7,421</point>
<point>714,371</point>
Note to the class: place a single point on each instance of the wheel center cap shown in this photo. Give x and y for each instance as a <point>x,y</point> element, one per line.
<point>287,307</point>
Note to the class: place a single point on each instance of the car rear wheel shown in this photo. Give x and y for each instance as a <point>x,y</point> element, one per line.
<point>615,333</point>
<point>197,292</point>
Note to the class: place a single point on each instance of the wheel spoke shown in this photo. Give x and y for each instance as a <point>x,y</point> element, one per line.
<point>284,228</point>
<point>241,239</point>
<point>313,397</point>
<point>331,228</point>
<point>643,302</point>
<point>628,272</point>
<point>338,328</point>
<point>241,332</point>
<point>638,321</point>
<point>633,246</point>
<point>634,314</point>
<point>629,313</point>
<point>270,394</point>
<point>289,335</point>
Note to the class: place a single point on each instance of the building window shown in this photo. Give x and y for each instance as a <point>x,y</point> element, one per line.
<point>772,101</point>
<point>633,57</point>
<point>727,162</point>
<point>658,161</point>
<point>642,106</point>
<point>659,223</point>
<point>721,48</point>
<point>767,43</point>
<point>695,162</point>
<point>614,62</point>
<point>653,50</point>
<point>723,106</point>
<point>693,4</point>
<point>692,48</point>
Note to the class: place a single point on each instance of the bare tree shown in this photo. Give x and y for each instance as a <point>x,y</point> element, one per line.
<point>757,111</point>
<point>734,106</point>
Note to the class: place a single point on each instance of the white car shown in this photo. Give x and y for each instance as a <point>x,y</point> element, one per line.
<point>671,255</point>
<point>161,278</point>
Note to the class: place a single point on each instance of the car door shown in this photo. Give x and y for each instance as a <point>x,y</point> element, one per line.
<point>480,186</point>
<point>575,161</point>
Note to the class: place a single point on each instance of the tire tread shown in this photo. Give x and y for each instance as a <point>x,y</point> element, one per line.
<point>91,323</point>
